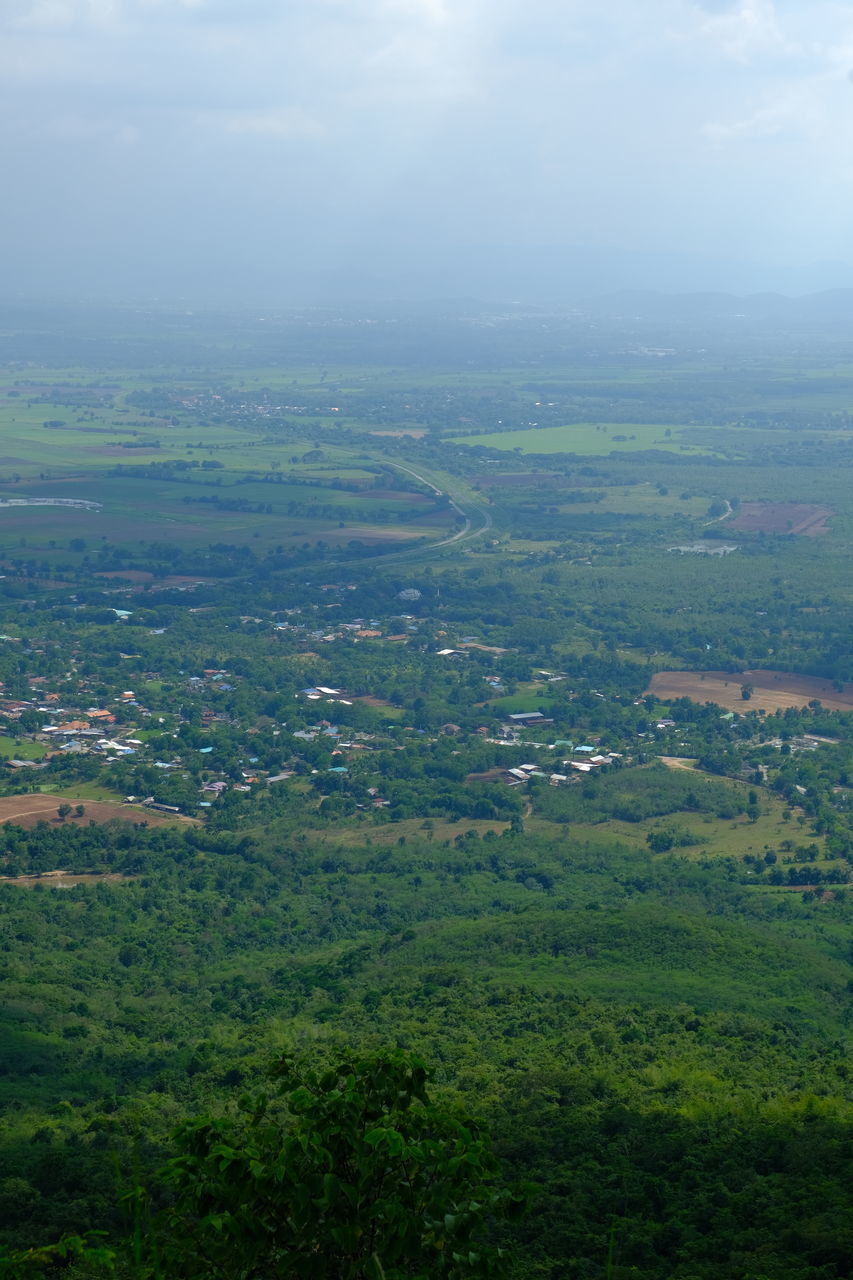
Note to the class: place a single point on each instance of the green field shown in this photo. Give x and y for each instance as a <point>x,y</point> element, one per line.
<point>20,749</point>
<point>191,486</point>
<point>591,439</point>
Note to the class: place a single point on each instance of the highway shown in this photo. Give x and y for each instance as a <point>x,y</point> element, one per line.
<point>476,519</point>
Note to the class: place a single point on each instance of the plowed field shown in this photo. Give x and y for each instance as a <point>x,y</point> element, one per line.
<point>771,690</point>
<point>781,517</point>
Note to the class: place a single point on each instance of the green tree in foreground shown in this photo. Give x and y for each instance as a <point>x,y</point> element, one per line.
<point>353,1173</point>
<point>358,1175</point>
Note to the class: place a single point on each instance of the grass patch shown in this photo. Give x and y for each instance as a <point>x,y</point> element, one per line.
<point>15,749</point>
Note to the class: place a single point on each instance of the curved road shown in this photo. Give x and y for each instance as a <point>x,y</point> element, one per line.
<point>474,524</point>
<point>465,534</point>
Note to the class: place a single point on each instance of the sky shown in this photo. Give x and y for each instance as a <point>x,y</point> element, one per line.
<point>251,149</point>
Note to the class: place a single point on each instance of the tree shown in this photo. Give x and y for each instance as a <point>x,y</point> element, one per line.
<point>358,1176</point>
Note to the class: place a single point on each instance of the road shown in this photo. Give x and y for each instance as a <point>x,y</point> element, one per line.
<point>476,520</point>
<point>724,516</point>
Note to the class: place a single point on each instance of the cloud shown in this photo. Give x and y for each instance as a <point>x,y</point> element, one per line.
<point>286,123</point>
<point>545,121</point>
<point>749,30</point>
<point>59,14</point>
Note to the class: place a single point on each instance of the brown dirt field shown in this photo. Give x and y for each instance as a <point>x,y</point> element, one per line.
<point>802,518</point>
<point>370,701</point>
<point>27,810</point>
<point>678,762</point>
<point>66,879</point>
<point>772,690</point>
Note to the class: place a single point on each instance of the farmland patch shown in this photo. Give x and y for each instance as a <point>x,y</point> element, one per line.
<point>804,518</point>
<point>770,690</point>
<point>593,439</point>
<point>27,810</point>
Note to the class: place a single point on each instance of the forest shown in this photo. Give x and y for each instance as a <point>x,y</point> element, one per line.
<point>365,909</point>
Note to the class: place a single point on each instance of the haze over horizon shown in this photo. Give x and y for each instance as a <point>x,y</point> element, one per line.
<point>250,150</point>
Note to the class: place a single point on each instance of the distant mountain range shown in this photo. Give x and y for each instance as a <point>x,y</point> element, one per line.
<point>827,307</point>
<point>288,275</point>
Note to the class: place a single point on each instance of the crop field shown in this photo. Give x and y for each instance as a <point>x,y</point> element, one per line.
<point>781,517</point>
<point>771,690</point>
<point>156,477</point>
<point>200,507</point>
<point>591,439</point>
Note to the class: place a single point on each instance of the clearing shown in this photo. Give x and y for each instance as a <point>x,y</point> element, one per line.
<point>27,810</point>
<point>67,879</point>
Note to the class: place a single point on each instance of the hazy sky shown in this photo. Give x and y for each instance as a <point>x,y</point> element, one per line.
<point>158,146</point>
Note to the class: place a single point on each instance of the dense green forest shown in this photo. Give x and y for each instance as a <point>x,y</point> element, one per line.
<point>359,765</point>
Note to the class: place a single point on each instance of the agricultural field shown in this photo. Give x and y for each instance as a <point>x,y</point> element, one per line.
<point>30,809</point>
<point>769,690</point>
<point>780,517</point>
<point>178,475</point>
<point>592,439</point>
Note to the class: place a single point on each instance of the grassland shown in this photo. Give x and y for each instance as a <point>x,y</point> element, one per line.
<point>19,749</point>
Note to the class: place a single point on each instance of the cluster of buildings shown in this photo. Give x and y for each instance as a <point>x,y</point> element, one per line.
<point>590,761</point>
